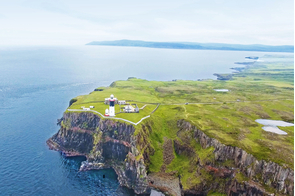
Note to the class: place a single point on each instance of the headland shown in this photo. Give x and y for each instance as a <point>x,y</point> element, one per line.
<point>196,140</point>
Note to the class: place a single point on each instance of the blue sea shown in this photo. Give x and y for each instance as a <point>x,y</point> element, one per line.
<point>36,84</point>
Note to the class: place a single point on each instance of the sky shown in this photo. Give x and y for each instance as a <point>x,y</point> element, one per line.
<point>72,22</point>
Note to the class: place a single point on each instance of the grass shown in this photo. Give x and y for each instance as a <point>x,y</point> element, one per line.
<point>263,90</point>
<point>211,193</point>
<point>186,169</point>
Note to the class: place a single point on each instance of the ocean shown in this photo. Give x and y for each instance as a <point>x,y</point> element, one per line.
<point>36,84</point>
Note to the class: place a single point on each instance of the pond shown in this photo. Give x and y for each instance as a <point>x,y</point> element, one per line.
<point>221,90</point>
<point>271,125</point>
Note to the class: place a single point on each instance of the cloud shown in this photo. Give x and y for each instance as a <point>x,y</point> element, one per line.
<point>78,22</point>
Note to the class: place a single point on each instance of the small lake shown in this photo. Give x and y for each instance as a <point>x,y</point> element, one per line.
<point>271,125</point>
<point>221,90</point>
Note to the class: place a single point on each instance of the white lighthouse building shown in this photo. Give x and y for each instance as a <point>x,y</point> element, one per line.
<point>111,102</point>
<point>112,106</point>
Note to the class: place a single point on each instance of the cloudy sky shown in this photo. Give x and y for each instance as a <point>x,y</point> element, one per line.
<point>72,22</point>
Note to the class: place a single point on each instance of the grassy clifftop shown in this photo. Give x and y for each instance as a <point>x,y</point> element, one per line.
<point>263,90</point>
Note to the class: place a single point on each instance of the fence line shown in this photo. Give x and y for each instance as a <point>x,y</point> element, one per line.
<point>77,110</point>
<point>141,102</point>
<point>155,108</point>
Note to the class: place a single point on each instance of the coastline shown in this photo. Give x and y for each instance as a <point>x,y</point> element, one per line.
<point>133,150</point>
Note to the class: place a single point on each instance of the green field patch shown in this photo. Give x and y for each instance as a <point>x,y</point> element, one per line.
<point>264,90</point>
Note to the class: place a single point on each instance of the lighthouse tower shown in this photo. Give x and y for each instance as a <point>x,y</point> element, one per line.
<point>112,105</point>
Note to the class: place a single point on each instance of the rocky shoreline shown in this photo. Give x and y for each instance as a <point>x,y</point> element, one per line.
<point>105,144</point>
<point>229,76</point>
<point>111,144</point>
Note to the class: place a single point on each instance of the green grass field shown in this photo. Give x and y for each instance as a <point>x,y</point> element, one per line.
<point>264,90</point>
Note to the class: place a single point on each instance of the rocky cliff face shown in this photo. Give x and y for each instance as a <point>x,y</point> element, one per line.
<point>105,144</point>
<point>258,172</point>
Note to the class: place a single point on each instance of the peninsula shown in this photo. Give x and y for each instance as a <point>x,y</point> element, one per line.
<point>195,46</point>
<point>189,137</point>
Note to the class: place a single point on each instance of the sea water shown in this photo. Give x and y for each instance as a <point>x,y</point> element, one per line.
<point>36,84</point>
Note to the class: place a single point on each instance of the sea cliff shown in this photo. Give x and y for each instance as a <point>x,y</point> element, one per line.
<point>105,144</point>
<point>127,149</point>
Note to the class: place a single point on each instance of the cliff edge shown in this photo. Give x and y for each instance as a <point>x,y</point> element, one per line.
<point>126,148</point>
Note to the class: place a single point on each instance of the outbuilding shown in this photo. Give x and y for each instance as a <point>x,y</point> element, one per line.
<point>122,102</point>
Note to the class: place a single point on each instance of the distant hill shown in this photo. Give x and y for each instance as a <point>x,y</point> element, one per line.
<point>196,46</point>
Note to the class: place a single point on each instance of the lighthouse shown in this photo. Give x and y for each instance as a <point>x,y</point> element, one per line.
<point>112,105</point>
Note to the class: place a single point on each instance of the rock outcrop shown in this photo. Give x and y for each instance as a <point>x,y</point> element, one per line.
<point>269,174</point>
<point>105,144</point>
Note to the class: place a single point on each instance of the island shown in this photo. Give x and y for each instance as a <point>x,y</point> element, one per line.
<point>188,137</point>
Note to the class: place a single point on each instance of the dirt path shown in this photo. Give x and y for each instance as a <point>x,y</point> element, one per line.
<point>185,112</point>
